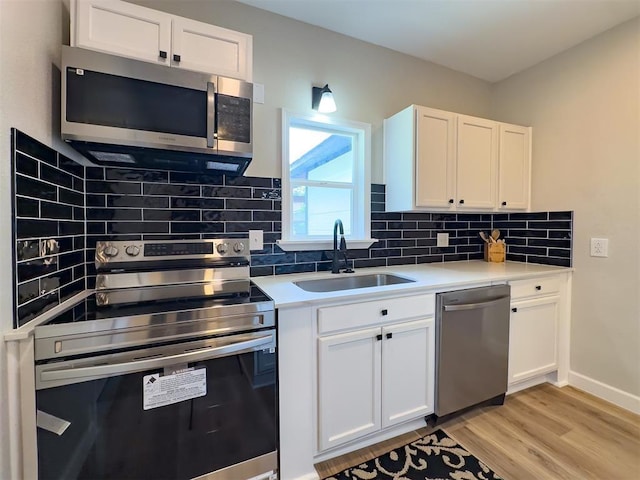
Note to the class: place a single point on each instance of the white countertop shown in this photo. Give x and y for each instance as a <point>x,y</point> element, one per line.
<point>428,277</point>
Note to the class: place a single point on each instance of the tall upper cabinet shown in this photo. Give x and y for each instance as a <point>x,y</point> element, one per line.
<point>129,30</point>
<point>442,160</point>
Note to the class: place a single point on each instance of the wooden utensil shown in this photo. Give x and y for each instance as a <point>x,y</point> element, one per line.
<point>483,236</point>
<point>495,234</point>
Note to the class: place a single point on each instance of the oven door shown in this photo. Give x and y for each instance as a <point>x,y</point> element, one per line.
<point>180,411</point>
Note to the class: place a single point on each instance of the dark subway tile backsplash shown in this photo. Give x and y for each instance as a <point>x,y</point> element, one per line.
<point>49,230</point>
<point>54,195</point>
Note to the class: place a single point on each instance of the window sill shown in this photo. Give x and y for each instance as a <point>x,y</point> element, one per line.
<point>301,245</point>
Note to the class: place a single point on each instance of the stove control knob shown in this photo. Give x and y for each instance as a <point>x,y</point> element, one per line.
<point>132,250</point>
<point>238,247</point>
<point>110,251</point>
<point>222,248</point>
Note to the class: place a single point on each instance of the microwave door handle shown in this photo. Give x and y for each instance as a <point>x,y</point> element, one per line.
<point>72,375</point>
<point>211,115</point>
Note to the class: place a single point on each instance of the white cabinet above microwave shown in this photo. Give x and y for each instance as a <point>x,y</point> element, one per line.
<point>128,30</point>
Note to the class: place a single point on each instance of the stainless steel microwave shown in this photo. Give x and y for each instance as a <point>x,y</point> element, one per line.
<point>118,111</point>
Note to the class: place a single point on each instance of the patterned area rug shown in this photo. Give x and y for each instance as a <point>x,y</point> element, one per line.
<point>434,457</point>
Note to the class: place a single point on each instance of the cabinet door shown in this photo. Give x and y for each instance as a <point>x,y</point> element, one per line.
<point>206,48</point>
<point>348,386</point>
<point>123,29</point>
<point>514,167</point>
<point>408,355</point>
<point>533,338</point>
<point>435,158</point>
<point>477,153</point>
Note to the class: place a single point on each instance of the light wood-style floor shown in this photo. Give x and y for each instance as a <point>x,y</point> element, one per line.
<point>540,433</point>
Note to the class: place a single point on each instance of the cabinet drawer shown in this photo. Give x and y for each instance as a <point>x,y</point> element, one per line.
<point>535,287</point>
<point>357,315</point>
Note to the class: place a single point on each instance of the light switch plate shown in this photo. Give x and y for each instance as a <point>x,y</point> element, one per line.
<point>256,240</point>
<point>442,240</point>
<point>258,93</point>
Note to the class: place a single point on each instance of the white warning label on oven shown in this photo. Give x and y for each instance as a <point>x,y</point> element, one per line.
<point>160,390</point>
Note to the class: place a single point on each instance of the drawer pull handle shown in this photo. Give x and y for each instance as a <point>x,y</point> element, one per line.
<point>514,309</point>
<point>384,312</point>
<point>176,58</point>
<point>461,202</point>
<point>451,200</point>
<point>390,335</point>
<point>162,54</point>
<point>379,337</point>
<point>538,287</point>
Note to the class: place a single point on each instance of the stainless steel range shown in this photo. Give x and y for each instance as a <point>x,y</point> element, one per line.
<point>167,371</point>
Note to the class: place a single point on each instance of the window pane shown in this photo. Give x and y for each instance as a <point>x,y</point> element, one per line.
<point>315,209</point>
<point>320,155</point>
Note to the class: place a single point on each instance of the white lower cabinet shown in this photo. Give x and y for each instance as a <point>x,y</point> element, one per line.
<point>534,328</point>
<point>348,386</point>
<point>373,378</point>
<point>408,356</point>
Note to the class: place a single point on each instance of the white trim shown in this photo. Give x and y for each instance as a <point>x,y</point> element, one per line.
<point>13,391</point>
<point>308,476</point>
<point>531,382</point>
<point>300,245</point>
<point>23,332</point>
<point>361,185</point>
<point>606,392</point>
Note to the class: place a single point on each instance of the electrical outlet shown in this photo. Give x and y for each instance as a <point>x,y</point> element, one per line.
<point>442,240</point>
<point>599,247</point>
<point>256,240</point>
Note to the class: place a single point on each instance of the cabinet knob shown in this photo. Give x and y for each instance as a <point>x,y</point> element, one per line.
<point>451,200</point>
<point>461,202</point>
<point>389,335</point>
<point>384,312</point>
<point>176,57</point>
<point>162,54</point>
<point>538,287</point>
<point>514,309</point>
<point>504,204</point>
<point>379,337</point>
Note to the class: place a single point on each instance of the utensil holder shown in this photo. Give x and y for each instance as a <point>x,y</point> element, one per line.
<point>494,252</point>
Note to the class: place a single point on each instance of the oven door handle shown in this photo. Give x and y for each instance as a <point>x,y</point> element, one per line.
<point>71,375</point>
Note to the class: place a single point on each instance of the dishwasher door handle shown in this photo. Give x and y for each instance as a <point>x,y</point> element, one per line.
<point>473,306</point>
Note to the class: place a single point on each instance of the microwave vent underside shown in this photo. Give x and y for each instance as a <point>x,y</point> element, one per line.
<point>155,159</point>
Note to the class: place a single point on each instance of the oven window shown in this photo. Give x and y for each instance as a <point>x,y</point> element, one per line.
<point>111,436</point>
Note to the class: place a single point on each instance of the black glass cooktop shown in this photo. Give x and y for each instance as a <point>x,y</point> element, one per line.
<point>88,310</point>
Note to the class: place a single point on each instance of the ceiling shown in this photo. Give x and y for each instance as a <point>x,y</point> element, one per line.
<point>489,39</point>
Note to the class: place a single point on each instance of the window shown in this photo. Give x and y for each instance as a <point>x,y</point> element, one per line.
<point>325,177</point>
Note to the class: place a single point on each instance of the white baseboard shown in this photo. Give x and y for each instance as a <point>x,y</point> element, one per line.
<point>309,476</point>
<point>606,392</point>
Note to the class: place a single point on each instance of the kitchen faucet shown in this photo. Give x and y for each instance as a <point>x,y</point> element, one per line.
<point>335,266</point>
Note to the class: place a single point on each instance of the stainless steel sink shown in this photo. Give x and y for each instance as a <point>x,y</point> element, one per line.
<point>349,282</point>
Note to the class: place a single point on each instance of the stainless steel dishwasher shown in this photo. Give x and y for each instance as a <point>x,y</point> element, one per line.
<point>472,348</point>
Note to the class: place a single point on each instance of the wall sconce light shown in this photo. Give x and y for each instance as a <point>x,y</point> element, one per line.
<point>322,100</point>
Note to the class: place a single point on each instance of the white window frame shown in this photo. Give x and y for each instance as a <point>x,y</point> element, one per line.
<point>361,221</point>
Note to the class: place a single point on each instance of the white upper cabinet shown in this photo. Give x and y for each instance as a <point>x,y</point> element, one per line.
<point>132,31</point>
<point>435,158</point>
<point>207,48</point>
<point>515,167</point>
<point>476,168</point>
<point>446,161</point>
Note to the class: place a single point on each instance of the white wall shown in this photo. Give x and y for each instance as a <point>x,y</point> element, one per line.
<point>584,106</point>
<point>368,82</point>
